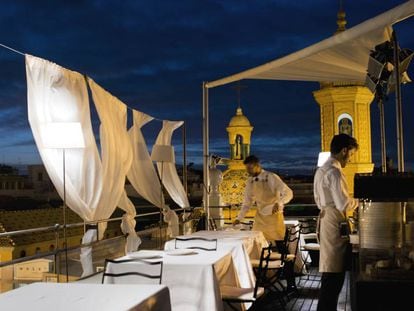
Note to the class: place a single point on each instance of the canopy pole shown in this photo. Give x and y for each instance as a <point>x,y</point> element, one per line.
<point>398,105</point>
<point>185,159</point>
<point>206,182</point>
<point>382,131</point>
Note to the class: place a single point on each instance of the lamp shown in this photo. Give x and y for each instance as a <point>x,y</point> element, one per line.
<point>162,154</point>
<point>63,135</point>
<point>323,157</point>
<point>387,69</point>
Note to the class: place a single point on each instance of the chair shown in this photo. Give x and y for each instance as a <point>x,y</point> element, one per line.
<point>194,243</point>
<point>238,295</point>
<point>281,264</point>
<point>212,224</point>
<point>292,239</point>
<point>309,245</point>
<point>133,273</point>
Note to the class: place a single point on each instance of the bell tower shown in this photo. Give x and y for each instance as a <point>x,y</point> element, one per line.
<point>234,178</point>
<point>239,131</point>
<point>345,108</point>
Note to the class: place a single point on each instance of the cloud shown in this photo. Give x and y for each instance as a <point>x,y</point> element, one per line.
<point>154,55</point>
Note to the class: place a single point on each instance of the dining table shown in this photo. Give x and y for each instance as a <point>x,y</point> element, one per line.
<point>193,277</point>
<point>86,297</point>
<point>243,245</point>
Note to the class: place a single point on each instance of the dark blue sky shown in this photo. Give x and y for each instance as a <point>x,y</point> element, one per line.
<point>154,55</point>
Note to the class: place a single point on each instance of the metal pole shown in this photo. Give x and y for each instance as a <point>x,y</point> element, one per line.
<point>162,202</point>
<point>56,269</point>
<point>64,217</point>
<point>185,159</point>
<point>206,181</point>
<point>398,105</point>
<point>382,130</point>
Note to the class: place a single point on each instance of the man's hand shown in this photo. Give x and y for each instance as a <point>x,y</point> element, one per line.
<point>236,222</point>
<point>276,208</point>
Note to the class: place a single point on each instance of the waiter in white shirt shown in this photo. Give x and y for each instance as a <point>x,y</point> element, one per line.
<point>270,194</point>
<point>332,198</point>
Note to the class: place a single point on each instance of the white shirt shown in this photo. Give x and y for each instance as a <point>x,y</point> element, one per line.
<point>266,189</point>
<point>330,187</point>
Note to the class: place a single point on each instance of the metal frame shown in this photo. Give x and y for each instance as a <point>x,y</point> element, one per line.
<point>150,276</point>
<point>197,239</point>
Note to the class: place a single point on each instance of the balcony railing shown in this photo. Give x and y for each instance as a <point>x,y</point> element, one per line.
<point>52,266</point>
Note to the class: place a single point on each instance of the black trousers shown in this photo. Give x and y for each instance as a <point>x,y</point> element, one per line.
<point>331,285</point>
<point>288,270</point>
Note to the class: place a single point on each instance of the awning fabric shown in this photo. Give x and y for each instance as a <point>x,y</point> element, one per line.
<point>342,57</point>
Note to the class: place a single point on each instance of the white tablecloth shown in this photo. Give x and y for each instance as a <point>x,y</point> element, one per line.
<point>193,280</point>
<point>243,245</point>
<point>88,297</point>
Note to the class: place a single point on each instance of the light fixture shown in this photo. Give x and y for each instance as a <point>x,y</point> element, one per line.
<point>323,157</point>
<point>63,135</point>
<point>386,61</point>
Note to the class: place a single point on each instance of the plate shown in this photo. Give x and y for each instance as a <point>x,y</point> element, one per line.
<point>144,255</point>
<point>181,252</point>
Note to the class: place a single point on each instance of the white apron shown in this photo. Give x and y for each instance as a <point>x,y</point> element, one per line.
<point>272,225</point>
<point>332,246</point>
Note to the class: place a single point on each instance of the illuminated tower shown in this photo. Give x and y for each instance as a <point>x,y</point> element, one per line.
<point>345,108</point>
<point>234,178</point>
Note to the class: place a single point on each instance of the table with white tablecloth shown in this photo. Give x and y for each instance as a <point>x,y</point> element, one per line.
<point>193,280</point>
<point>243,245</point>
<point>86,297</point>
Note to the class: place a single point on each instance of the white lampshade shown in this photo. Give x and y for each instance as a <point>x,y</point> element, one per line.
<point>323,157</point>
<point>162,153</point>
<point>62,135</point>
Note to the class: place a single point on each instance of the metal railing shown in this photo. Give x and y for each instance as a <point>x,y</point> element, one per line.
<point>56,254</point>
<point>156,234</point>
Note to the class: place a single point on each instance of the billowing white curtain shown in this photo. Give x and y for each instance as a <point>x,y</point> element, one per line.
<point>128,223</point>
<point>93,187</point>
<point>170,178</point>
<point>55,94</point>
<point>116,151</point>
<point>142,174</point>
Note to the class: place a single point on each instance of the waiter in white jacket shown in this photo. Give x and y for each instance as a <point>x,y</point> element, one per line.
<point>332,198</point>
<point>270,194</point>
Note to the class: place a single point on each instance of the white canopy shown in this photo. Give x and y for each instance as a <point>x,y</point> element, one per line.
<point>342,57</point>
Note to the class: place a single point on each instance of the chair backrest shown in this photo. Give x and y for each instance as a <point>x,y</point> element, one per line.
<point>309,230</point>
<point>212,224</point>
<point>292,238</point>
<point>134,272</point>
<point>263,268</point>
<point>196,243</point>
<point>308,225</point>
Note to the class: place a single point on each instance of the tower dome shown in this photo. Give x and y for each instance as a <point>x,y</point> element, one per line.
<point>239,119</point>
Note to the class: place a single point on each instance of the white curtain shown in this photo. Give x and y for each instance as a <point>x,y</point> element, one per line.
<point>116,151</point>
<point>170,178</point>
<point>55,94</point>
<point>142,174</point>
<point>128,223</point>
<point>93,187</point>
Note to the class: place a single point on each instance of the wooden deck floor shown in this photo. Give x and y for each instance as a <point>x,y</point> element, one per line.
<point>307,296</point>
